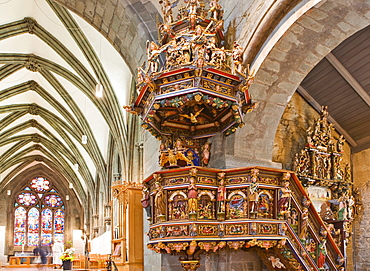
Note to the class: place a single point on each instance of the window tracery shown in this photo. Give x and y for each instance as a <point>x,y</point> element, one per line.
<point>38,214</point>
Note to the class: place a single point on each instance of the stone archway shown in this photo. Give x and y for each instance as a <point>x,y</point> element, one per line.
<point>302,46</point>
<point>126,24</point>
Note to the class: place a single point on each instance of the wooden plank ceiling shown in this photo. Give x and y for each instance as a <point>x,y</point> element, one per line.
<point>342,81</point>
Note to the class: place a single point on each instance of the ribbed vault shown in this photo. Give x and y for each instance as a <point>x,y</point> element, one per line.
<point>50,63</point>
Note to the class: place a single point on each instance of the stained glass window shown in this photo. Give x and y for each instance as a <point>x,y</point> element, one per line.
<point>27,199</point>
<point>40,184</point>
<point>46,230</point>
<point>53,201</point>
<point>59,225</point>
<point>20,226</point>
<point>33,227</point>
<point>38,214</point>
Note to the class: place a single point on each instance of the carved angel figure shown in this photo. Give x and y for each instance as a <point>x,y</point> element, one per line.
<point>192,117</point>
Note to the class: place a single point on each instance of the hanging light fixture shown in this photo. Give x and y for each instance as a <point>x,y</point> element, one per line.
<point>70,185</point>
<point>84,139</point>
<point>8,192</point>
<point>99,90</point>
<point>67,197</point>
<point>75,167</point>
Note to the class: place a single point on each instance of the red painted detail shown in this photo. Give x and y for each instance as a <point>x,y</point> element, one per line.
<point>226,74</point>
<point>173,72</point>
<point>142,92</point>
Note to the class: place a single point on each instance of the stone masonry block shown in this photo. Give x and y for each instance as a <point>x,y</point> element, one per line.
<point>259,91</point>
<point>356,19</point>
<point>100,9</point>
<point>297,29</point>
<point>284,46</point>
<point>328,6</point>
<point>138,6</point>
<point>108,14</point>
<point>97,21</point>
<point>105,28</point>
<point>266,78</point>
<point>331,42</point>
<point>304,67</point>
<point>111,34</point>
<point>296,77</point>
<point>317,14</point>
<point>116,23</point>
<point>322,50</point>
<point>312,58</point>
<point>278,55</point>
<point>132,29</point>
<point>120,11</point>
<point>345,27</point>
<point>117,41</point>
<point>123,29</point>
<point>285,86</point>
<point>272,65</point>
<point>291,37</point>
<point>338,34</point>
<point>311,24</point>
<point>278,99</point>
<point>90,10</point>
<point>80,7</point>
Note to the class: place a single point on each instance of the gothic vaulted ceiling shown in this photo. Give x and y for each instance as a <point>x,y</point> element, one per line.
<point>50,118</point>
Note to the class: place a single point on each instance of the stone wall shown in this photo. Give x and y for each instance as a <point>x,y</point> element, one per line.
<point>3,206</point>
<point>3,219</point>
<point>290,136</point>
<point>361,169</point>
<point>361,234</point>
<point>152,260</point>
<point>361,228</point>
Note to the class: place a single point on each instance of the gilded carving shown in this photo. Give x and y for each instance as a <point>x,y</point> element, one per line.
<point>267,228</point>
<point>207,230</point>
<point>236,229</point>
<point>205,203</point>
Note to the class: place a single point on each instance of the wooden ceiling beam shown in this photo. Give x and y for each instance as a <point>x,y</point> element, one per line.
<point>349,78</point>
